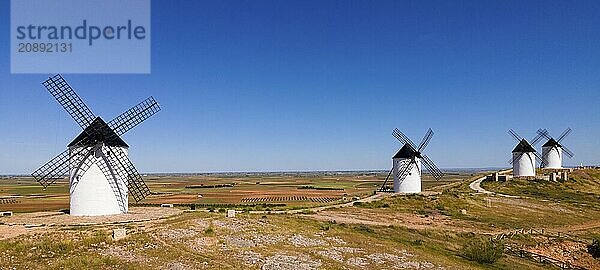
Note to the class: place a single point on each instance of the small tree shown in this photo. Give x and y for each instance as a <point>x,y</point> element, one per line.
<point>594,247</point>
<point>482,250</point>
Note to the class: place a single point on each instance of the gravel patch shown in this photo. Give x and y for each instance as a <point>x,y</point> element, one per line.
<point>232,224</point>
<point>337,254</point>
<point>254,240</point>
<point>250,257</point>
<point>398,262</point>
<point>176,266</point>
<point>381,258</point>
<point>414,265</point>
<point>350,250</point>
<point>177,233</point>
<point>241,225</point>
<point>357,261</point>
<point>336,240</point>
<point>239,242</point>
<point>332,254</point>
<point>201,224</point>
<point>285,262</point>
<point>201,244</point>
<point>268,239</point>
<point>299,240</point>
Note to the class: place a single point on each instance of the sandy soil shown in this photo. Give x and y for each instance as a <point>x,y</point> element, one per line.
<point>29,223</point>
<point>7,232</point>
<point>59,218</point>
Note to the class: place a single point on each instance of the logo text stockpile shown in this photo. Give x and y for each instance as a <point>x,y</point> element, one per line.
<point>74,36</point>
<point>84,32</point>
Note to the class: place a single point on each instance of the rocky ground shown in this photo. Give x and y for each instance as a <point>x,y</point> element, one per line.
<point>573,253</point>
<point>261,243</point>
<point>166,238</point>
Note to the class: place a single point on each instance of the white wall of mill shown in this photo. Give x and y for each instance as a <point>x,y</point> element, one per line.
<point>92,195</point>
<point>524,165</point>
<point>412,182</point>
<point>552,156</point>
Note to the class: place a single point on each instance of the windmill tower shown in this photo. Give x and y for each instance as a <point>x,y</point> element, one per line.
<point>524,155</point>
<point>100,173</point>
<point>406,165</point>
<point>552,150</point>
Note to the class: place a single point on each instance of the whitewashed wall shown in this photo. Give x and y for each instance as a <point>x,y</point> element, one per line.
<point>91,194</point>
<point>525,165</point>
<point>552,156</point>
<point>412,182</point>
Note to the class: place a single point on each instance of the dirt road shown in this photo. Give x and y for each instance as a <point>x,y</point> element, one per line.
<point>476,186</point>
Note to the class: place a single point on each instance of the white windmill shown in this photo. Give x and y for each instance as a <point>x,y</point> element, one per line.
<point>552,150</point>
<point>406,165</point>
<point>524,155</point>
<point>100,172</point>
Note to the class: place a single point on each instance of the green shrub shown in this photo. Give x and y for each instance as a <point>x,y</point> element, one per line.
<point>372,205</point>
<point>423,212</point>
<point>364,228</point>
<point>482,250</point>
<point>594,247</point>
<point>417,242</point>
<point>452,192</point>
<point>324,226</point>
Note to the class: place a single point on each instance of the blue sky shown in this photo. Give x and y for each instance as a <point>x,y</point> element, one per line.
<point>319,85</point>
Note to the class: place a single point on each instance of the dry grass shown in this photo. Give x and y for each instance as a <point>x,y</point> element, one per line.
<point>401,231</point>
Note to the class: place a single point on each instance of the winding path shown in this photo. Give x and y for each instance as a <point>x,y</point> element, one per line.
<point>476,186</point>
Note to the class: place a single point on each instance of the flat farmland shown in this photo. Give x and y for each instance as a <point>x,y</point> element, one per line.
<point>256,191</point>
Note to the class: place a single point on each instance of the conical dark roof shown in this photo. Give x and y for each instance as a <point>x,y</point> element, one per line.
<point>551,143</point>
<point>98,131</point>
<point>406,152</point>
<point>523,146</point>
